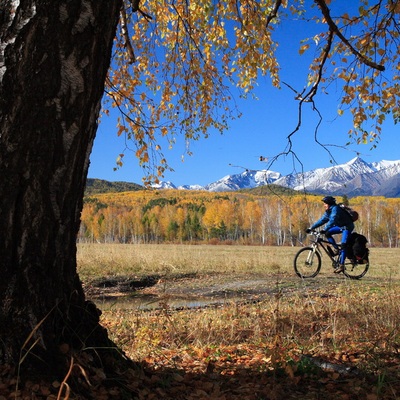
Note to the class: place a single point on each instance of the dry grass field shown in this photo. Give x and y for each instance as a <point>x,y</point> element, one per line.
<point>325,327</point>
<point>100,260</point>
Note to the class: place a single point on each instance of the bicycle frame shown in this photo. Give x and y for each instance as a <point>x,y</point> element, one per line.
<point>318,242</point>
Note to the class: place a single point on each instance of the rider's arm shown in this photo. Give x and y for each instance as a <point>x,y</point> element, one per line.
<point>323,220</point>
<point>332,218</point>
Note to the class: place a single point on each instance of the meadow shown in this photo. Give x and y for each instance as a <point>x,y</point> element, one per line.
<point>330,334</point>
<point>96,260</point>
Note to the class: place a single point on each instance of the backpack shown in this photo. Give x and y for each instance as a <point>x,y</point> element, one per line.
<point>352,213</point>
<point>356,248</point>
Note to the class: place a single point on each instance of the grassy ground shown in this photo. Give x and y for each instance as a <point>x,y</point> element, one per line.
<point>335,337</point>
<point>96,260</point>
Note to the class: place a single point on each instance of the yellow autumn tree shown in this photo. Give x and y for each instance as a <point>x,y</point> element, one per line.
<point>212,217</point>
<point>175,63</point>
<point>251,217</point>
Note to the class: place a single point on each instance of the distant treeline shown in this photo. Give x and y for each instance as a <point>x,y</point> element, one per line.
<point>246,217</point>
<point>97,186</point>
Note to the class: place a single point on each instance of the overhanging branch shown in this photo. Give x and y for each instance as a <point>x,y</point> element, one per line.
<point>334,28</point>
<point>273,14</point>
<point>136,8</point>
<point>125,34</point>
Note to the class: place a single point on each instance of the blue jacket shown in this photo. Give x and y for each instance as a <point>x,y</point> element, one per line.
<point>335,216</point>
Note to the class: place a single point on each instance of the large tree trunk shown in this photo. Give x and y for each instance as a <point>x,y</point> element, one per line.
<point>54,57</point>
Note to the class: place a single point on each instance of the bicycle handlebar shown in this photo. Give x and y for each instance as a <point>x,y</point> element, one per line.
<point>316,233</point>
<point>319,235</point>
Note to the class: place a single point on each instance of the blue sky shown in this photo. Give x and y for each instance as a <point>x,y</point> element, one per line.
<point>261,131</point>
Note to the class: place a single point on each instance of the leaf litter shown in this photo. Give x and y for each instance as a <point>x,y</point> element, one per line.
<point>292,356</point>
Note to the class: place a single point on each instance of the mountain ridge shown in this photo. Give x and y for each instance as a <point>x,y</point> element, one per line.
<point>354,178</point>
<point>96,186</point>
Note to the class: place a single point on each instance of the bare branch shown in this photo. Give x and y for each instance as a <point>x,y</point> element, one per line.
<point>313,91</point>
<point>125,34</point>
<point>333,27</point>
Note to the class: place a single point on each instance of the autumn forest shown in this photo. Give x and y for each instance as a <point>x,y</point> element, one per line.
<point>177,216</point>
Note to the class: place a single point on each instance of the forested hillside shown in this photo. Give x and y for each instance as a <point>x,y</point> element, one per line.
<point>96,186</point>
<point>269,189</point>
<point>151,216</point>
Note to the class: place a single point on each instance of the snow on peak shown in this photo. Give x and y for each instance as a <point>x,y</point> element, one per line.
<point>356,177</point>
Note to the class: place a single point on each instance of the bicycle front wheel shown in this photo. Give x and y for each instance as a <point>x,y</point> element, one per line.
<point>307,263</point>
<point>356,270</point>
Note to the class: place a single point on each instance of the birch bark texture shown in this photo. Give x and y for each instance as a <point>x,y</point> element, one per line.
<point>54,57</point>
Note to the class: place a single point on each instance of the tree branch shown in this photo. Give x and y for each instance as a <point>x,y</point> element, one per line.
<point>187,28</point>
<point>312,92</point>
<point>136,8</point>
<point>334,28</point>
<point>135,5</point>
<point>125,34</point>
<point>274,12</point>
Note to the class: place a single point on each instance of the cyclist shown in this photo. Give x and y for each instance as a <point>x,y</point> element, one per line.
<point>337,221</point>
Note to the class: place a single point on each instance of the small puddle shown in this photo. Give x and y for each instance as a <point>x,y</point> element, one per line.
<point>150,302</point>
<point>151,293</point>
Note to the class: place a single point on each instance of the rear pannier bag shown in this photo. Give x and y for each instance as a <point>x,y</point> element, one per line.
<point>356,248</point>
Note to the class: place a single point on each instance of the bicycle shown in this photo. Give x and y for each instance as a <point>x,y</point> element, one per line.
<point>308,260</point>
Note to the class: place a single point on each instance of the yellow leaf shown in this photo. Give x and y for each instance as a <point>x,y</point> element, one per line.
<point>304,48</point>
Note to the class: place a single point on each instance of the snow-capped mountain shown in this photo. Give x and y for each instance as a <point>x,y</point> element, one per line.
<point>246,180</point>
<point>170,185</point>
<point>164,185</point>
<point>354,178</point>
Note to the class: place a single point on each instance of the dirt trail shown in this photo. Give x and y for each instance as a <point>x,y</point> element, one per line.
<point>205,290</point>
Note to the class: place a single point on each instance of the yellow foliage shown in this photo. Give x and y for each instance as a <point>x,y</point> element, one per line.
<point>190,53</point>
<point>157,216</point>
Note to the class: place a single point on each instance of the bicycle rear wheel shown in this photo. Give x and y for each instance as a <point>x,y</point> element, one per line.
<point>356,270</point>
<point>307,263</point>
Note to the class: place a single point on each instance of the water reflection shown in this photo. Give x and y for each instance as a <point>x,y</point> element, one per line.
<point>152,302</point>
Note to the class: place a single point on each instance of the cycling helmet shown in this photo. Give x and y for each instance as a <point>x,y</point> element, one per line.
<point>329,200</point>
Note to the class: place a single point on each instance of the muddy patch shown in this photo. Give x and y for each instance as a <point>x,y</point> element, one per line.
<point>198,291</point>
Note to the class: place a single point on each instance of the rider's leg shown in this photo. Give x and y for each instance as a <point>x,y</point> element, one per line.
<point>332,231</point>
<point>345,235</point>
